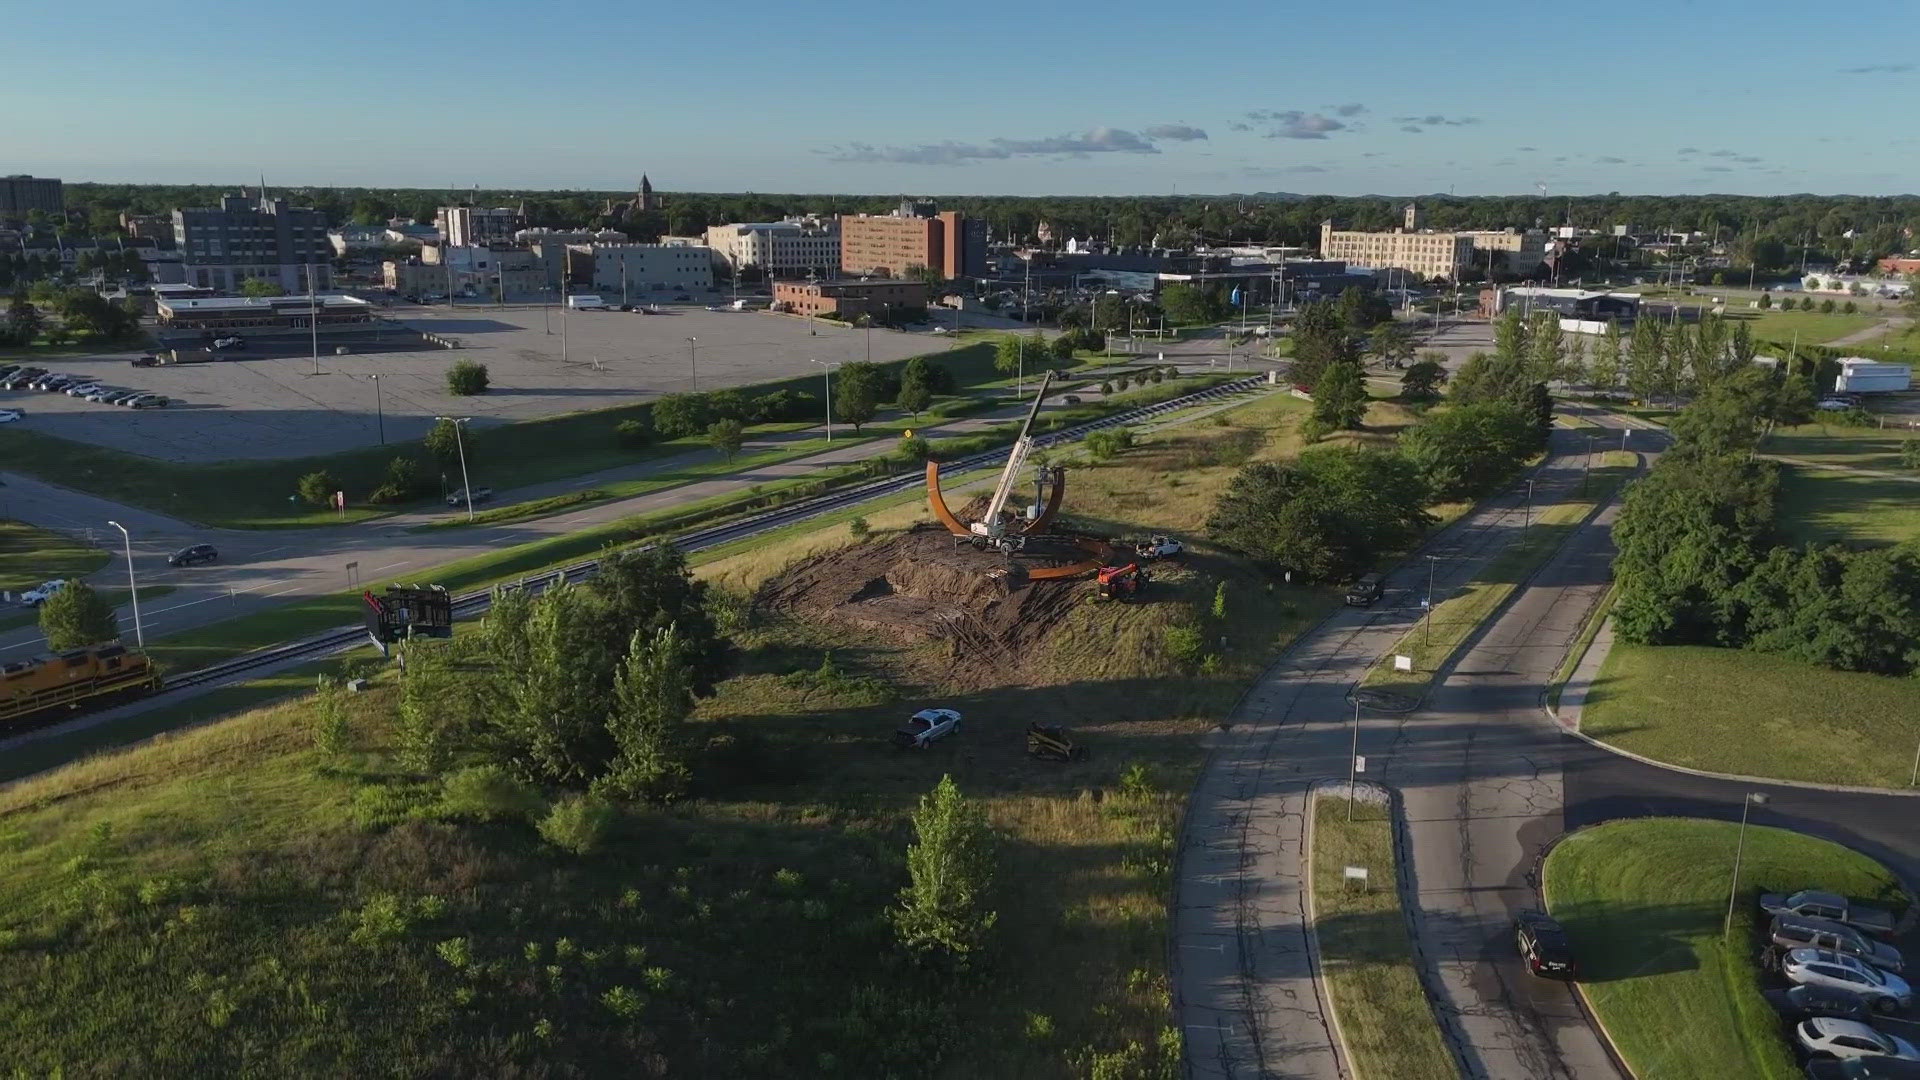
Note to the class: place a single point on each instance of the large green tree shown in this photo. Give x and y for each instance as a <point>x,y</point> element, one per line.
<point>1326,515</point>
<point>77,616</point>
<point>1340,397</point>
<point>652,694</point>
<point>944,909</point>
<point>857,389</point>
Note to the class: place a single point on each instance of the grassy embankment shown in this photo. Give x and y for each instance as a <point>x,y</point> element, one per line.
<point>254,494</point>
<point>30,555</point>
<point>1453,620</point>
<point>1644,901</point>
<point>1366,956</point>
<point>335,916</point>
<point>1832,505</point>
<point>1785,327</point>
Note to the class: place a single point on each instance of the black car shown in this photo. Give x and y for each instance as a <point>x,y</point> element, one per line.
<point>1365,591</point>
<point>1866,1068</point>
<point>1805,1002</point>
<point>197,553</point>
<point>1543,945</point>
<point>148,360</point>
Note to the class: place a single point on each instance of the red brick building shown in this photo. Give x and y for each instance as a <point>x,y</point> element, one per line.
<point>846,299</point>
<point>893,244</point>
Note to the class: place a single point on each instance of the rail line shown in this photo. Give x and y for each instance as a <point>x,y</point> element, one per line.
<point>471,603</point>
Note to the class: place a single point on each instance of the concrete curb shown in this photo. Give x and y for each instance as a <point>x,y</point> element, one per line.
<point>1579,989</point>
<point>1343,1058</point>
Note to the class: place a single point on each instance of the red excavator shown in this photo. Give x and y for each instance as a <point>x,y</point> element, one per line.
<point>1121,582</point>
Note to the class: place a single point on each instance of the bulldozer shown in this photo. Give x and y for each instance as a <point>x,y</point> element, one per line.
<point>1120,582</point>
<point>1051,742</point>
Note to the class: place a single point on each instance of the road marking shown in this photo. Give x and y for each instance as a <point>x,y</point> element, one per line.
<point>389,566</point>
<point>1216,948</point>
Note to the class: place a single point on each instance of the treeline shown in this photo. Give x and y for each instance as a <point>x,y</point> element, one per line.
<point>1878,225</point>
<point>1700,563</point>
<point>1336,510</point>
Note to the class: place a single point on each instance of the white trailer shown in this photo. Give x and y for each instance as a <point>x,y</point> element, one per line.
<point>1859,375</point>
<point>586,302</point>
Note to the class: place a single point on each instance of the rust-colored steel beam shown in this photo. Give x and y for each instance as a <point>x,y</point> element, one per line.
<point>939,504</point>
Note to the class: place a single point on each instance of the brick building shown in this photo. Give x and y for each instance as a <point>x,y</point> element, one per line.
<point>914,235</point>
<point>847,299</point>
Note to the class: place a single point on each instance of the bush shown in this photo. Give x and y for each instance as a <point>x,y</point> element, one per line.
<point>577,823</point>
<point>859,528</point>
<point>467,378</point>
<point>485,792</point>
<point>317,488</point>
<point>916,447</point>
<point>1104,444</point>
<point>77,616</point>
<point>1106,388</point>
<point>1183,645</point>
<point>679,415</point>
<point>633,434</point>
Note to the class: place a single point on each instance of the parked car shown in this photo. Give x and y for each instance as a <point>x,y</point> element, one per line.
<point>1882,991</point>
<point>15,382</point>
<point>683,296</point>
<point>8,416</point>
<point>1799,932</point>
<point>1819,904</point>
<point>80,388</point>
<point>8,369</point>
<point>148,401</point>
<point>121,397</point>
<point>50,382</point>
<point>1159,547</point>
<point>193,553</point>
<point>459,496</point>
<point>1832,405</point>
<point>1543,945</point>
<point>1824,1036</point>
<point>102,393</point>
<point>1365,591</point>
<point>1865,1068</point>
<point>146,360</point>
<point>1807,1000</point>
<point>926,727</point>
<point>42,592</point>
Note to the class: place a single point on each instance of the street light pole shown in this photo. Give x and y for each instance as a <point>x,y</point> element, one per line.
<point>459,442</point>
<point>827,378</point>
<point>139,634</point>
<point>1353,759</point>
<point>379,410</point>
<point>1526,520</point>
<point>1426,624</point>
<point>693,362</point>
<point>1754,798</point>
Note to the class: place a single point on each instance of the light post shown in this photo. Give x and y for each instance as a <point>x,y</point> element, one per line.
<point>1526,519</point>
<point>1426,623</point>
<point>379,410</point>
<point>460,443</point>
<point>1753,799</point>
<point>1915,775</point>
<point>827,378</point>
<point>693,362</point>
<point>1353,759</point>
<point>139,634</point>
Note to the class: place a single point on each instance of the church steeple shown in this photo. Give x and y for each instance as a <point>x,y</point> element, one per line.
<point>647,200</point>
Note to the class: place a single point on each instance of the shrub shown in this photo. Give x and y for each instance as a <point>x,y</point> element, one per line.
<point>1102,445</point>
<point>916,447</point>
<point>467,378</point>
<point>1106,388</point>
<point>485,792</point>
<point>1183,644</point>
<point>578,824</point>
<point>633,434</point>
<point>317,488</point>
<point>77,616</point>
<point>859,528</point>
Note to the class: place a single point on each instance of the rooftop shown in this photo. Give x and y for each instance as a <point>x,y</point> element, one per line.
<point>264,305</point>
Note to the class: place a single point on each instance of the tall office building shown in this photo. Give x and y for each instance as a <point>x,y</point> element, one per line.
<point>914,235</point>
<point>21,193</point>
<point>244,238</point>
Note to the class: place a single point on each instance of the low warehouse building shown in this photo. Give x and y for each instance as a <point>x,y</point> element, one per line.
<point>261,312</point>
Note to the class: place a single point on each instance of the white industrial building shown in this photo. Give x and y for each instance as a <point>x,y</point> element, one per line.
<point>790,248</point>
<point>634,269</point>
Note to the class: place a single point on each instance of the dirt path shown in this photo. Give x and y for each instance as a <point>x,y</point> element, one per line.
<point>1886,327</point>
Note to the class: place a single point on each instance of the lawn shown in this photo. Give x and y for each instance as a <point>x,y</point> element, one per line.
<point>30,555</point>
<point>1366,955</point>
<point>1644,902</point>
<point>255,494</point>
<point>1838,444</point>
<point>1453,620</point>
<point>1828,505</point>
<point>1784,327</point>
<point>1733,711</point>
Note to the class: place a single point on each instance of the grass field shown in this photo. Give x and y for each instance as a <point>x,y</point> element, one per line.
<point>1366,955</point>
<point>30,555</point>
<point>1784,327</point>
<point>1838,444</point>
<point>1453,620</point>
<point>1827,505</point>
<point>254,494</point>
<point>1644,901</point>
<point>1733,711</point>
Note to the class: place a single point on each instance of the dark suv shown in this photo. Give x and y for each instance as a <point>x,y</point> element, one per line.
<point>1543,945</point>
<point>197,553</point>
<point>1365,591</point>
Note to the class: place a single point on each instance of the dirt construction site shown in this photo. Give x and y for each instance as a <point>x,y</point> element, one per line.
<point>922,586</point>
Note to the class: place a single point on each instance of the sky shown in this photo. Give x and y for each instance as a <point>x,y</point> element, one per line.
<point>1058,97</point>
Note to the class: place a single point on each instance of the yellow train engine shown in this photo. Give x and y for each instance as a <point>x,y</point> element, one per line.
<point>76,679</point>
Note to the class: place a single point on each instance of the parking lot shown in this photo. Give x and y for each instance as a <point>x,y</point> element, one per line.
<point>236,407</point>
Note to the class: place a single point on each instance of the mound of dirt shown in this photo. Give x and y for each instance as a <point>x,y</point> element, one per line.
<point>921,586</point>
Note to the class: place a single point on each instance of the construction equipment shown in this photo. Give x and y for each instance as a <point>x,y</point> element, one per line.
<point>1051,742</point>
<point>991,529</point>
<point>409,611</point>
<point>1120,582</point>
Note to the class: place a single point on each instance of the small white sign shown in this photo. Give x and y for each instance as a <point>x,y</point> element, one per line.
<point>1357,873</point>
<point>1360,763</point>
<point>1402,663</point>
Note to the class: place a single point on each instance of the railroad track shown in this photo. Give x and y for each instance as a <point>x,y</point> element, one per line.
<point>712,536</point>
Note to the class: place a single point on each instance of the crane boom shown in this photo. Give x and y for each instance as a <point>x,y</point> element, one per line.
<point>991,525</point>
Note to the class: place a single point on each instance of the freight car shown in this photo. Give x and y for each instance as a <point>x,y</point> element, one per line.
<point>74,680</point>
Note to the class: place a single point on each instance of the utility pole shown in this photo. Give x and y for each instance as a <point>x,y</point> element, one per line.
<point>133,588</point>
<point>1753,799</point>
<point>1353,759</point>
<point>693,362</point>
<point>1426,622</point>
<point>827,378</point>
<point>466,484</point>
<point>313,318</point>
<point>379,410</point>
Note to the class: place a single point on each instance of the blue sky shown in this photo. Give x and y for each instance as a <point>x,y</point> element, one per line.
<point>1393,97</point>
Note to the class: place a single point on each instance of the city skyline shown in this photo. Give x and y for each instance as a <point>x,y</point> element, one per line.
<point>1481,98</point>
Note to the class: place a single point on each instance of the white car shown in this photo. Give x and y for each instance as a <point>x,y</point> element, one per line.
<point>1831,405</point>
<point>1882,990</point>
<point>43,592</point>
<point>1159,547</point>
<point>80,389</point>
<point>926,727</point>
<point>1826,1036</point>
<point>8,416</point>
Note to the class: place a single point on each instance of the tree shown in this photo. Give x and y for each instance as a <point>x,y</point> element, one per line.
<point>555,690</point>
<point>261,287</point>
<point>1102,445</point>
<point>23,320</point>
<point>86,310</point>
<point>1644,352</point>
<point>1363,309</point>
<point>943,909</point>
<point>1191,305</point>
<point>726,436</point>
<point>1327,514</point>
<point>633,434</point>
<point>1470,449</point>
<point>427,719</point>
<point>652,694</point>
<point>317,488</point>
<point>1826,306</point>
<point>1510,336</point>
<point>443,442</point>
<point>856,392</point>
<point>1009,353</point>
<point>935,377</point>
<point>1062,346</point>
<point>929,276</point>
<point>913,397</point>
<point>467,378</point>
<point>1546,348</point>
<point>1340,398</point>
<point>1392,343</point>
<point>76,617</point>
<point>676,416</point>
<point>1573,370</point>
<point>1320,340</point>
<point>332,728</point>
<point>1766,301</point>
<point>645,590</point>
<point>1421,382</point>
